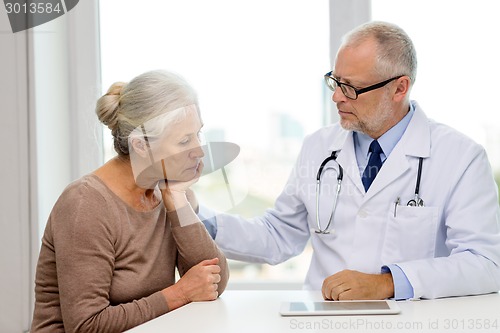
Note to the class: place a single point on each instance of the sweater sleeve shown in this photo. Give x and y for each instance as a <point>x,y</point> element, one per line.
<point>195,244</point>
<point>84,238</point>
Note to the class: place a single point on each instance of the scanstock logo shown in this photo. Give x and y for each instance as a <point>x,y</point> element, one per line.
<point>26,14</point>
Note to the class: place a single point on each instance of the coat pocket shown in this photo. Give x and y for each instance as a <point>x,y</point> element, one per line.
<point>411,234</point>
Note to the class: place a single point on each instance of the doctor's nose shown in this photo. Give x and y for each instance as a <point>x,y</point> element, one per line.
<point>338,95</point>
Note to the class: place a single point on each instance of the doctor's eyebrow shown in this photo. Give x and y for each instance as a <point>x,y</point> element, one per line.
<point>342,80</point>
<point>355,84</point>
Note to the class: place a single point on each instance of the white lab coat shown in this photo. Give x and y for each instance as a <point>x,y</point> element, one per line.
<point>449,247</point>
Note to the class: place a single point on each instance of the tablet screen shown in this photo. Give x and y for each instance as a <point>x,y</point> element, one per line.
<point>336,306</point>
<point>328,308</point>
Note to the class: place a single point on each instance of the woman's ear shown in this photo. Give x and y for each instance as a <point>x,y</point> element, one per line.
<point>140,147</point>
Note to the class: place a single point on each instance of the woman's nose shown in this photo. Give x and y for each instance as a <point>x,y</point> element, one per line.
<point>197,152</point>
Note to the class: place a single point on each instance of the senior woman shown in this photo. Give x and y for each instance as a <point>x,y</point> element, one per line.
<point>112,243</point>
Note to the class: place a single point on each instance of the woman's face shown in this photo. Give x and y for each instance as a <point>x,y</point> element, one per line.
<point>180,148</point>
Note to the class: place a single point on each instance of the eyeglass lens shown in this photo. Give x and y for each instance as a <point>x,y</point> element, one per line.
<point>348,91</point>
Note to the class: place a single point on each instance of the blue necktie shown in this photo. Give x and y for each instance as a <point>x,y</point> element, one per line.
<point>373,166</point>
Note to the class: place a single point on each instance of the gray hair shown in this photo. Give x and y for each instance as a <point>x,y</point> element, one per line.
<point>127,106</point>
<point>396,53</point>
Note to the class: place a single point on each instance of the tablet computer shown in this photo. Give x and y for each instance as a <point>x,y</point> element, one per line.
<point>333,308</point>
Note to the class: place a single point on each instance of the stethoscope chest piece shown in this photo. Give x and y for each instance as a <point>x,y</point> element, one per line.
<point>417,202</point>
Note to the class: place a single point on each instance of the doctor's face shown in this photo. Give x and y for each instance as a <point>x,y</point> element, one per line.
<point>372,111</point>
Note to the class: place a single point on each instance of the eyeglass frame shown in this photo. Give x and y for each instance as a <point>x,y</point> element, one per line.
<point>357,91</point>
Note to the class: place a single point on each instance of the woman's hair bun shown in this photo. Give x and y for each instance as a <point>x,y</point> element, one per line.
<point>107,106</point>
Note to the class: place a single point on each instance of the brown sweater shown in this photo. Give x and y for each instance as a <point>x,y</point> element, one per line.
<point>102,264</point>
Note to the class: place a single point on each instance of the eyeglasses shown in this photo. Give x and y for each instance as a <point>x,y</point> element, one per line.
<point>351,92</point>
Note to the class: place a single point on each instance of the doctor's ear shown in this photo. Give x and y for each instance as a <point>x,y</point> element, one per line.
<point>140,147</point>
<point>402,88</point>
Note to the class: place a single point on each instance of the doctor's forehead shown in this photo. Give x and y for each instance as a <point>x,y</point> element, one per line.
<point>356,61</point>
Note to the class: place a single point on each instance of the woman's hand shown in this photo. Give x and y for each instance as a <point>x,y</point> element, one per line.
<point>200,283</point>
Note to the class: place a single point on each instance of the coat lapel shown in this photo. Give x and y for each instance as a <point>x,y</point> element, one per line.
<point>346,158</point>
<point>415,142</point>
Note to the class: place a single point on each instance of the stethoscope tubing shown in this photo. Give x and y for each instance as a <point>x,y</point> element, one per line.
<point>340,177</point>
<point>417,201</point>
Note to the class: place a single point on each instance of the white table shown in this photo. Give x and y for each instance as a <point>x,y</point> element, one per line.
<point>257,311</point>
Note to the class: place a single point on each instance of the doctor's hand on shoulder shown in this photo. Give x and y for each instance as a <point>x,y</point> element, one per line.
<point>354,285</point>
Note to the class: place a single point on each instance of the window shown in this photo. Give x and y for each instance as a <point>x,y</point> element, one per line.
<point>458,63</point>
<point>258,69</point>
<point>258,66</point>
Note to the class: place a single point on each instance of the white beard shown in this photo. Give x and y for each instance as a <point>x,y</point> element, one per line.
<point>375,122</point>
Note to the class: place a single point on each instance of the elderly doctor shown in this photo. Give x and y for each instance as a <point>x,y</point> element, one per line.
<point>417,213</point>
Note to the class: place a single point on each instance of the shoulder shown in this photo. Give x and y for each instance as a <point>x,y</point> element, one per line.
<point>451,141</point>
<point>88,189</point>
<point>452,154</point>
<point>327,132</point>
<point>444,139</point>
<point>328,137</point>
<point>85,203</point>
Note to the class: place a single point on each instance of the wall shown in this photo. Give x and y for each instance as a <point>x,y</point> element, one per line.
<point>17,166</point>
<point>49,83</point>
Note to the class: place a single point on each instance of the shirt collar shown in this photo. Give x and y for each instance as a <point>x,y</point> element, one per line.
<point>387,141</point>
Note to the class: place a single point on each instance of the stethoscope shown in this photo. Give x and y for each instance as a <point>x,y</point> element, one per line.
<point>415,202</point>
<point>340,176</point>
